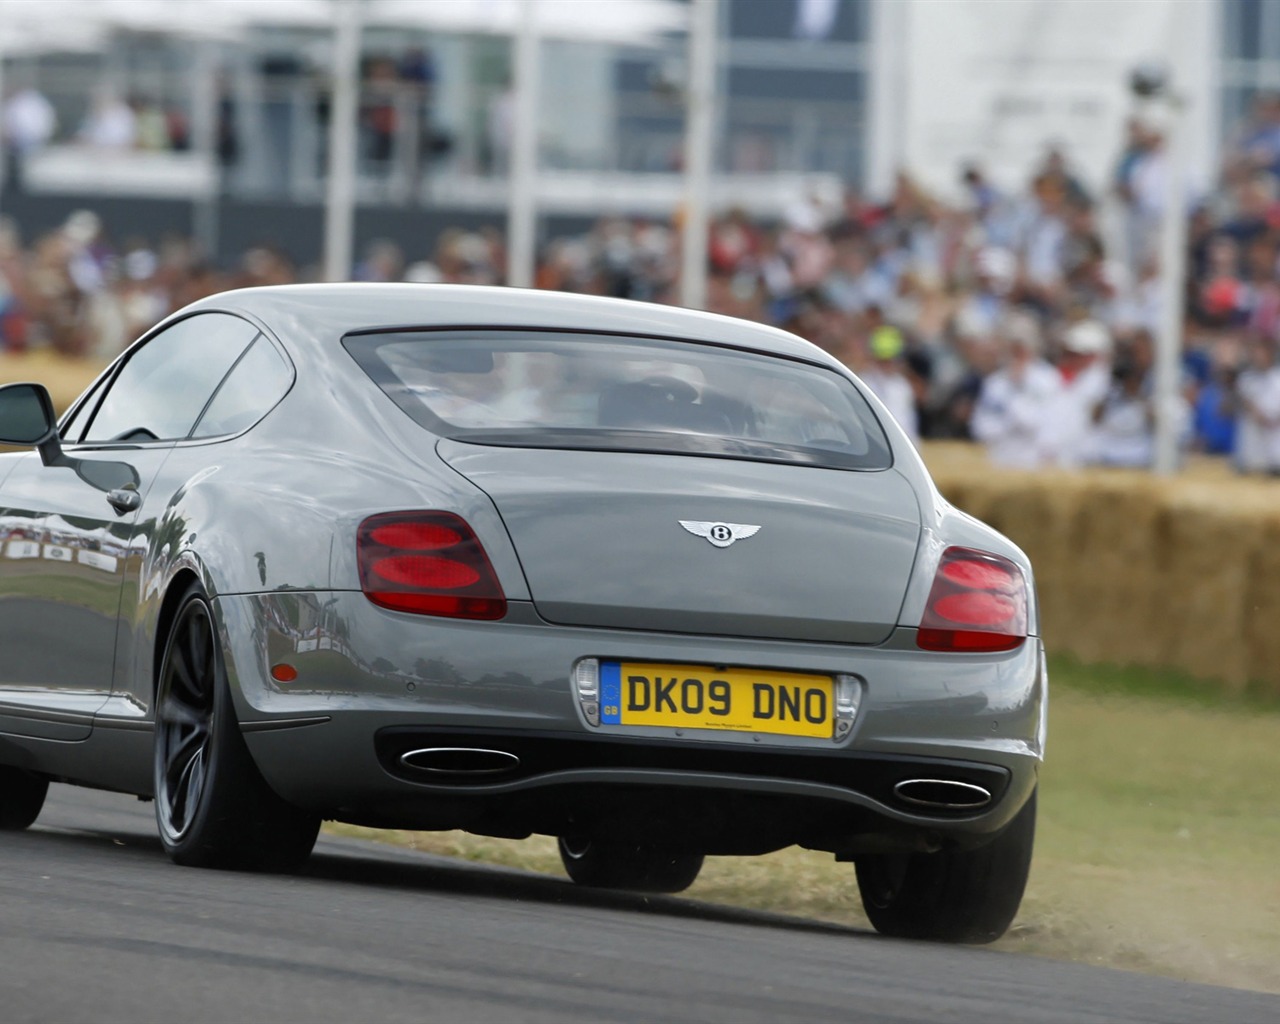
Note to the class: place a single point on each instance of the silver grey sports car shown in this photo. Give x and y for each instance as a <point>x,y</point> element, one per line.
<point>658,583</point>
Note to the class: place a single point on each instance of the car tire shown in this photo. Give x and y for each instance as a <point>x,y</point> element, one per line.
<point>601,864</point>
<point>954,895</point>
<point>22,795</point>
<point>213,807</point>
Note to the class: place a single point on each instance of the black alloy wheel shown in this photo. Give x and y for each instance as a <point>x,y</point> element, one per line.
<point>185,720</point>
<point>213,807</point>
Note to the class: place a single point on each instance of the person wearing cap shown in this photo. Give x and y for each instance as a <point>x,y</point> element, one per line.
<point>887,379</point>
<point>1124,421</point>
<point>1084,369</point>
<point>996,272</point>
<point>1009,416</point>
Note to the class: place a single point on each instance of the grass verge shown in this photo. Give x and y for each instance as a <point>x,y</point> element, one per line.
<point>1156,851</point>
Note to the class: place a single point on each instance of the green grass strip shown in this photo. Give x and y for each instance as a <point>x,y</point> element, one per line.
<point>1158,684</point>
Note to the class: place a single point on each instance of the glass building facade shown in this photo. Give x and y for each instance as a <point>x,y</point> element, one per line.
<point>795,81</point>
<point>1250,56</point>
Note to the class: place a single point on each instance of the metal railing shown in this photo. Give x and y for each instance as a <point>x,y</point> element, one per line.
<point>407,152</point>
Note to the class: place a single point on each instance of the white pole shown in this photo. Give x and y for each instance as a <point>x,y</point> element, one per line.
<point>1173,250</point>
<point>204,129</point>
<point>522,210</point>
<point>887,99</point>
<point>698,137</point>
<point>340,190</point>
<point>3,152</point>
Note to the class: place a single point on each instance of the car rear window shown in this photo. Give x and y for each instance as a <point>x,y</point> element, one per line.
<point>547,389</point>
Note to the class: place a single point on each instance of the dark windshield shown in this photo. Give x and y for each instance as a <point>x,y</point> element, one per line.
<point>547,389</point>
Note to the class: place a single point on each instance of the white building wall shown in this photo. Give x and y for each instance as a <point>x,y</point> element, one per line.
<point>577,104</point>
<point>998,81</point>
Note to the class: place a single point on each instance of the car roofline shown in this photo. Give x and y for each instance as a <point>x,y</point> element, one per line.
<point>335,310</point>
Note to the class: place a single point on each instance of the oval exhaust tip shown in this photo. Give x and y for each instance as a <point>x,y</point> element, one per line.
<point>460,760</point>
<point>942,794</point>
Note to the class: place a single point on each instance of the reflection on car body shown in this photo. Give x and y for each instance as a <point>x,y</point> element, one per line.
<point>658,583</point>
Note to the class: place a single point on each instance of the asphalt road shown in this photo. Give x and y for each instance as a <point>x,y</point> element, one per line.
<point>96,924</point>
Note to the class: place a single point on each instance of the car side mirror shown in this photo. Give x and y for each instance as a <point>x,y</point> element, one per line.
<point>27,419</point>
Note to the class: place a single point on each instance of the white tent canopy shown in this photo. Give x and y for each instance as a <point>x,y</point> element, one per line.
<point>22,35</point>
<point>618,21</point>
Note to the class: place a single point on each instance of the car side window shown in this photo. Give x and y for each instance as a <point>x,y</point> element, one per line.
<point>160,392</point>
<point>251,389</point>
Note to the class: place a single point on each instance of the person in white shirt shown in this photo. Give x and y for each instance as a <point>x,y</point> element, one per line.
<point>1009,415</point>
<point>1124,421</point>
<point>28,119</point>
<point>996,271</point>
<point>887,379</point>
<point>1258,412</point>
<point>27,122</point>
<point>111,123</point>
<point>1084,368</point>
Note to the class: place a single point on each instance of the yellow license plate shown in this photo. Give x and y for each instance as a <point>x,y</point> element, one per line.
<point>703,697</point>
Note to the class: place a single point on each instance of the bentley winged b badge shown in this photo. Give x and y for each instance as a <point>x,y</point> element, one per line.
<point>720,534</point>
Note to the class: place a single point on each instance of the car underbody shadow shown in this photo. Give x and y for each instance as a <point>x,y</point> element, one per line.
<point>93,820</point>
<point>366,862</point>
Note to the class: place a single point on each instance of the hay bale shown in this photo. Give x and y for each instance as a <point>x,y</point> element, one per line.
<point>1167,573</point>
<point>1260,637</point>
<point>1202,593</point>
<point>1108,607</point>
<point>64,376</point>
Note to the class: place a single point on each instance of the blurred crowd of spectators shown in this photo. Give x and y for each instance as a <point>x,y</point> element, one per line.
<point>1025,321</point>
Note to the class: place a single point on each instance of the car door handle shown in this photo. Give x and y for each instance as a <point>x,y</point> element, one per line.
<point>124,499</point>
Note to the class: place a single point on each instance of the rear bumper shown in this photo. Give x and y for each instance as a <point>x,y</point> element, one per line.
<point>373,684</point>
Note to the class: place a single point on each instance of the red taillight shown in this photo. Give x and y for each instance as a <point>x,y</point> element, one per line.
<point>419,572</point>
<point>429,563</point>
<point>978,603</point>
<point>414,536</point>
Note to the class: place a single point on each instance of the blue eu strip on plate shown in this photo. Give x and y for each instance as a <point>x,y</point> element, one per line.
<point>610,693</point>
